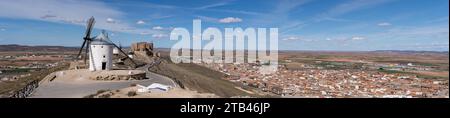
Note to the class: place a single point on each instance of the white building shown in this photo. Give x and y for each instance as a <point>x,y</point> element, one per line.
<point>101,51</point>
<point>157,86</point>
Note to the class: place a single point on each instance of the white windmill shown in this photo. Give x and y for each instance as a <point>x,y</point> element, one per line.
<point>99,49</point>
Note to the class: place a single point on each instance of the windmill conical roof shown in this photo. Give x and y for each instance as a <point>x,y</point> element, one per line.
<point>101,39</point>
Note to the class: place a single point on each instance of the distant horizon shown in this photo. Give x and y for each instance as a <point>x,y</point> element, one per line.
<point>278,50</point>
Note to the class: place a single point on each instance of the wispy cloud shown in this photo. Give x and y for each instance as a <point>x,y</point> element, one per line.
<point>158,28</point>
<point>441,31</point>
<point>279,16</point>
<point>70,12</point>
<point>110,20</point>
<point>2,28</point>
<point>160,16</point>
<point>283,9</point>
<point>145,33</point>
<point>140,22</point>
<point>296,38</point>
<point>217,20</point>
<point>243,12</point>
<point>46,16</point>
<point>230,20</point>
<point>348,7</point>
<point>214,5</point>
<point>357,38</point>
<point>208,7</point>
<point>208,19</point>
<point>337,19</point>
<point>146,5</point>
<point>441,19</point>
<point>332,13</point>
<point>384,24</point>
<point>421,46</point>
<point>159,36</point>
<point>346,38</point>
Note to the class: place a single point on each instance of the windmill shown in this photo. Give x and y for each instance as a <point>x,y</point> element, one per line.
<point>98,56</point>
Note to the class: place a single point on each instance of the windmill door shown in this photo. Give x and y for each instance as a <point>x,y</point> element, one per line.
<point>103,65</point>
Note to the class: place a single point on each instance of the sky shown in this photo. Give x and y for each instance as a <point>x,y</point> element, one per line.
<point>341,25</point>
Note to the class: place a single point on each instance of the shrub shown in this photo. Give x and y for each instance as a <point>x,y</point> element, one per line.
<point>101,91</point>
<point>132,93</point>
<point>105,96</point>
<point>89,96</point>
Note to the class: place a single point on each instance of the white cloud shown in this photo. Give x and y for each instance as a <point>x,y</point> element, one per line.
<point>110,20</point>
<point>384,24</point>
<point>140,22</point>
<point>69,12</point>
<point>46,16</point>
<point>345,39</point>
<point>290,38</point>
<point>2,29</point>
<point>157,28</point>
<point>355,38</point>
<point>158,36</point>
<point>230,20</point>
<point>296,38</point>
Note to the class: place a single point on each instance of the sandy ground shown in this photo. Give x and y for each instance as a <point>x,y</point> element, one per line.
<point>76,84</point>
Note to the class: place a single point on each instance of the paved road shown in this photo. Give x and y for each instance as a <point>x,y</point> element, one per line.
<point>157,77</point>
<point>73,89</point>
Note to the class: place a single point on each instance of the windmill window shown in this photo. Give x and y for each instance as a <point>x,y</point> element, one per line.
<point>103,56</point>
<point>102,47</point>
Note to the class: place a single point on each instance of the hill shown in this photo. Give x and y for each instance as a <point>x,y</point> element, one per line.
<point>15,47</point>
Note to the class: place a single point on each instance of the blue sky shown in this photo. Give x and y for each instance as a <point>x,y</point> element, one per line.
<point>345,25</point>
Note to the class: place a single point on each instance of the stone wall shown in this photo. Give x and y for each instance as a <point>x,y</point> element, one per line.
<point>26,91</point>
<point>142,46</point>
<point>138,76</point>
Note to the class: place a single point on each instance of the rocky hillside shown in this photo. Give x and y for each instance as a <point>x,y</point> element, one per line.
<point>198,78</point>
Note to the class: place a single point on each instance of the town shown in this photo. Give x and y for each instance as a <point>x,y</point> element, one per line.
<point>320,79</point>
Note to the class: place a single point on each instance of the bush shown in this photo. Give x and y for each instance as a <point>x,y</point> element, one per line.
<point>101,91</point>
<point>105,96</point>
<point>89,96</point>
<point>132,93</point>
